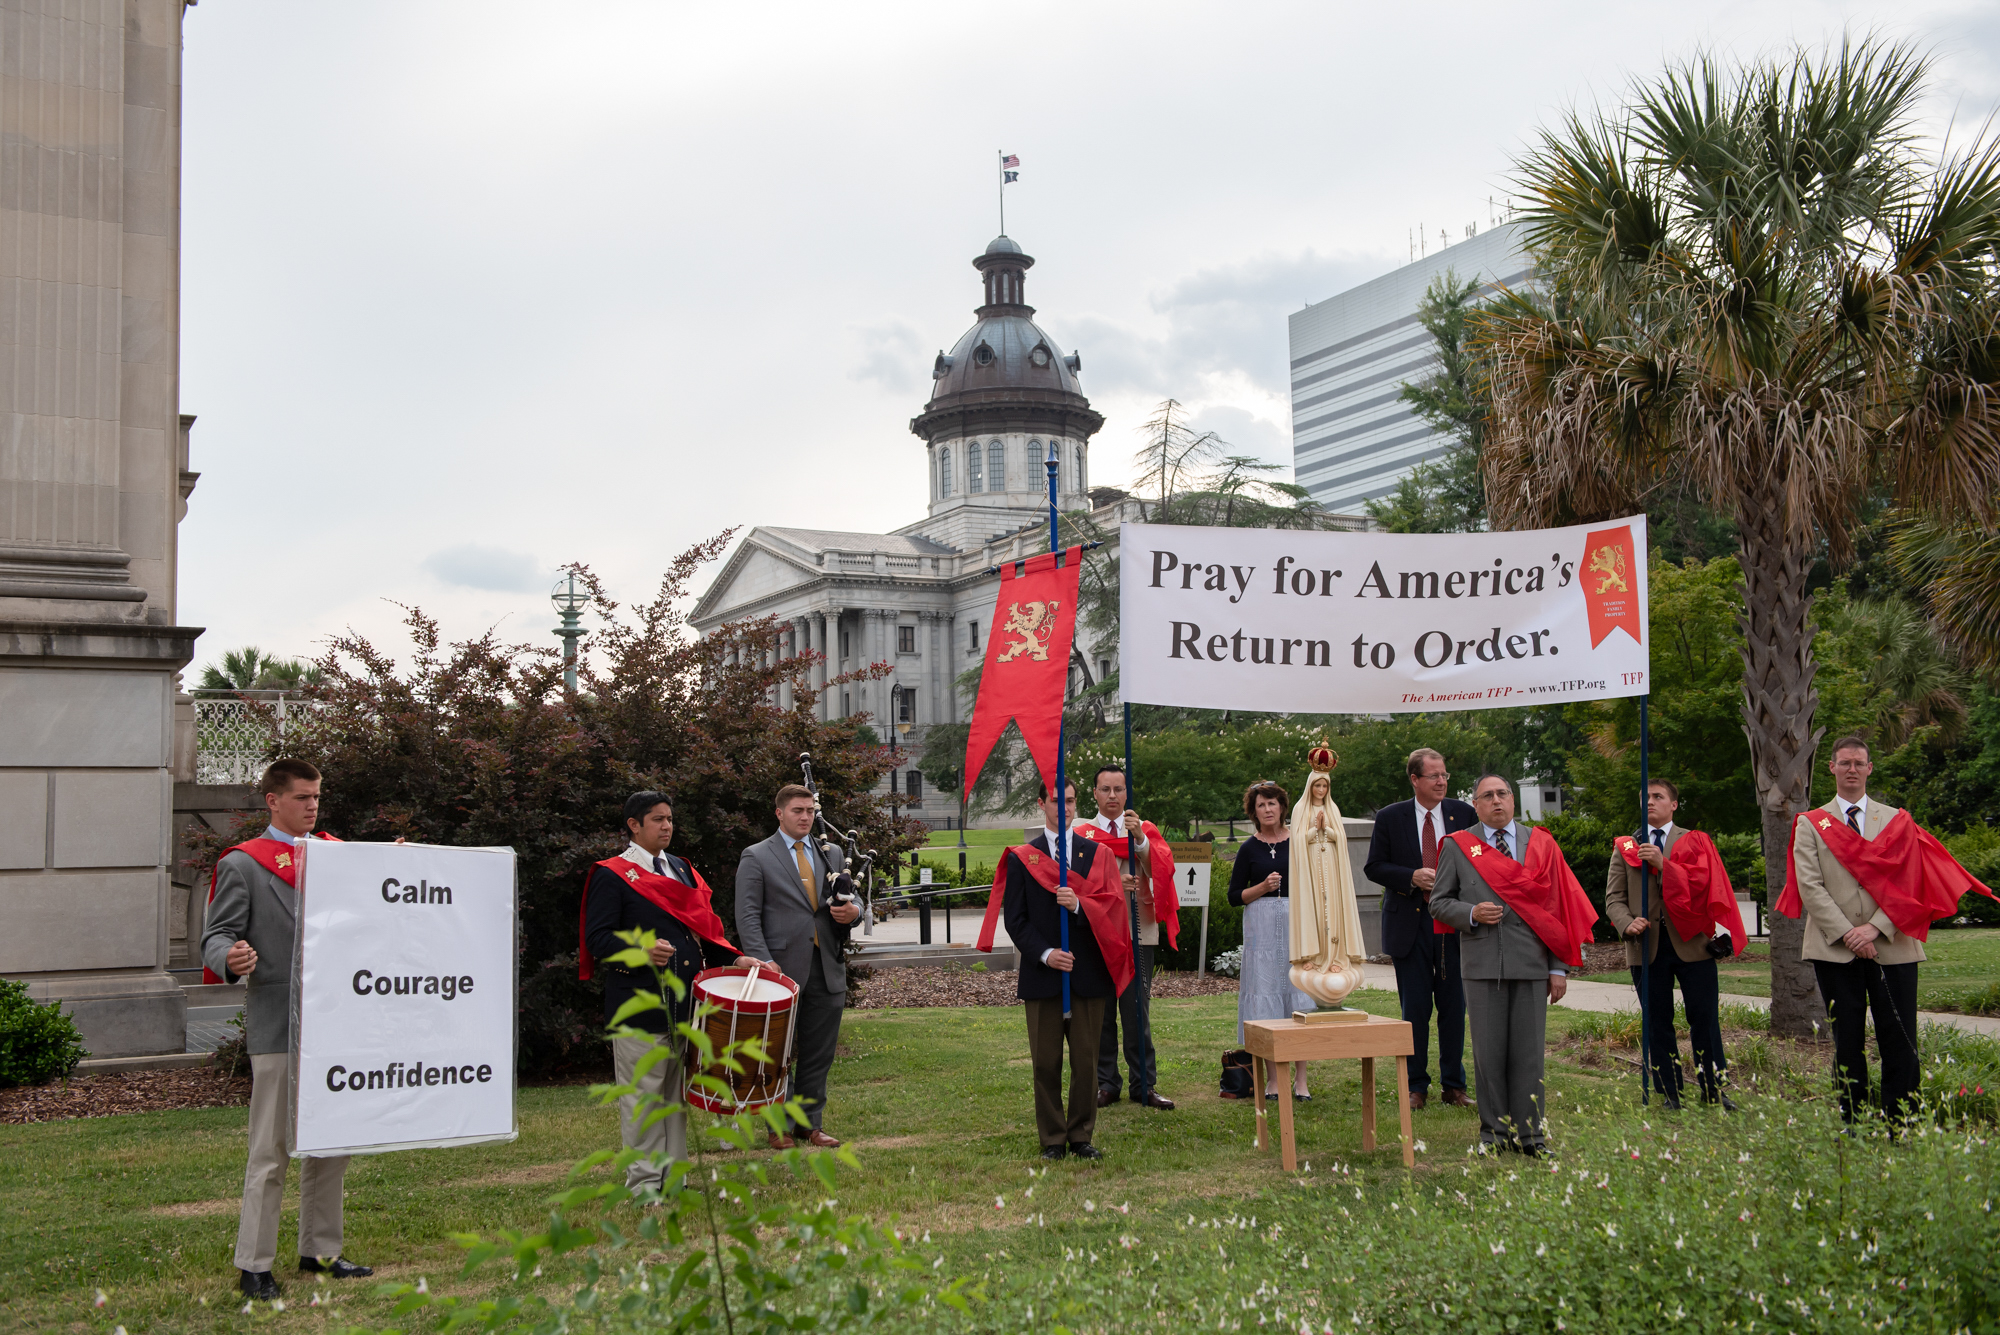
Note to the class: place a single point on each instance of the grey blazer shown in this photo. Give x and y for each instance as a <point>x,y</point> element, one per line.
<point>775,921</point>
<point>1508,949</point>
<point>252,905</point>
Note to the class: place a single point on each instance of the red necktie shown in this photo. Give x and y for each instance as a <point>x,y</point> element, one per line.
<point>1430,841</point>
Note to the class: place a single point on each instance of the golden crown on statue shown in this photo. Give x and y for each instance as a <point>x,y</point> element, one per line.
<point>1322,758</point>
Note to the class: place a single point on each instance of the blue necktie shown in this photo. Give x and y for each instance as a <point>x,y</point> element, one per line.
<point>659,864</point>
<point>1660,840</point>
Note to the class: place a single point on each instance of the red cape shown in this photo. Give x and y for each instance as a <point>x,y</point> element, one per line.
<point>274,856</point>
<point>1540,887</point>
<point>1166,895</point>
<point>1904,869</point>
<point>692,906</point>
<point>1102,898</point>
<point>1694,885</point>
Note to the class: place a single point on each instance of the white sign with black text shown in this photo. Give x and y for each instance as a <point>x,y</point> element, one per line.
<point>1365,623</point>
<point>403,998</point>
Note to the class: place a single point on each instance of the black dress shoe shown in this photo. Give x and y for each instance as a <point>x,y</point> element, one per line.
<point>1106,1097</point>
<point>258,1284</point>
<point>1085,1150</point>
<point>1053,1152</point>
<point>1154,1099</point>
<point>1670,1101</point>
<point>1721,1098</point>
<point>339,1267</point>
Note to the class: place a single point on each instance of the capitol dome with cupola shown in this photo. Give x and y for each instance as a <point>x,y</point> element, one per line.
<point>1002,399</point>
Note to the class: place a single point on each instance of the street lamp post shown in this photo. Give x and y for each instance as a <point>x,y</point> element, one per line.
<point>569,601</point>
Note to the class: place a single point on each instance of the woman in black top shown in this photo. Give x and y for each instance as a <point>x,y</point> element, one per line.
<point>1260,884</point>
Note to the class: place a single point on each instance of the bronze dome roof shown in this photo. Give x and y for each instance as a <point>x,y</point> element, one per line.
<point>1005,372</point>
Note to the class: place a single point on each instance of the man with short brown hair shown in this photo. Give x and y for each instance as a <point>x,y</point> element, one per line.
<point>252,919</point>
<point>794,908</point>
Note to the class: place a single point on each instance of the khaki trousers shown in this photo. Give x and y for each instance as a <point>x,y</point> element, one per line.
<point>665,1140</point>
<point>264,1178</point>
<point>1056,1126</point>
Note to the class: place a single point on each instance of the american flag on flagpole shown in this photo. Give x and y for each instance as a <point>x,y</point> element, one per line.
<point>1010,160</point>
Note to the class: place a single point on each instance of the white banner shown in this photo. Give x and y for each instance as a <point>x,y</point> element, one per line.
<point>1381,623</point>
<point>403,998</point>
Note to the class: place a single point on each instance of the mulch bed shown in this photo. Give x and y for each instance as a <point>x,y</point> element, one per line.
<point>124,1092</point>
<point>955,985</point>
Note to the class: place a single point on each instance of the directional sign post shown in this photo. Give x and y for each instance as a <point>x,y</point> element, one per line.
<point>1192,864</point>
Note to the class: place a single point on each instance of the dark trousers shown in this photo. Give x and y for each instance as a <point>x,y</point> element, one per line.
<point>1701,993</point>
<point>1427,977</point>
<point>818,1020</point>
<point>1890,990</point>
<point>1510,1024</point>
<point>1056,1125</point>
<point>1135,1007</point>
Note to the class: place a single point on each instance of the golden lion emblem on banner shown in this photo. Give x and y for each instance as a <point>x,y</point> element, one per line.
<point>1035,625</point>
<point>1608,564</point>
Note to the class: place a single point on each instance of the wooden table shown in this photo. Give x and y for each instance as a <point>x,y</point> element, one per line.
<point>1282,1042</point>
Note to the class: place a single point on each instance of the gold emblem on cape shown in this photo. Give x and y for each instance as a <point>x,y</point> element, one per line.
<point>1477,849</point>
<point>1608,564</point>
<point>1034,859</point>
<point>284,859</point>
<point>1825,823</point>
<point>633,876</point>
<point>1035,625</point>
<point>1323,758</point>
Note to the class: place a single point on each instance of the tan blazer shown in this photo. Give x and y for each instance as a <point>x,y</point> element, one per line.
<point>1621,905</point>
<point>1834,901</point>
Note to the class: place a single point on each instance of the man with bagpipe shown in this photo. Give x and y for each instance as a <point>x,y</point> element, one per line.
<point>1066,990</point>
<point>1688,898</point>
<point>1870,882</point>
<point>1152,909</point>
<point>646,886</point>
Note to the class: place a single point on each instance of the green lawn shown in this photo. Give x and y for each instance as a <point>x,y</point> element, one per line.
<point>1184,1220</point>
<point>1961,961</point>
<point>990,840</point>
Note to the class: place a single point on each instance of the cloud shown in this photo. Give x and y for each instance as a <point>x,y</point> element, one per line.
<point>892,357</point>
<point>1246,433</point>
<point>493,568</point>
<point>1223,324</point>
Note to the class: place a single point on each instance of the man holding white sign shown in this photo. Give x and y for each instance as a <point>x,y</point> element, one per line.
<point>252,920</point>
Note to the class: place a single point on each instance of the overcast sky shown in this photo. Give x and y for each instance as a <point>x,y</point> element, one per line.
<point>470,290</point>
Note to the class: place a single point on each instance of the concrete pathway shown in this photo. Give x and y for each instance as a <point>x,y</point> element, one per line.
<point>1583,996</point>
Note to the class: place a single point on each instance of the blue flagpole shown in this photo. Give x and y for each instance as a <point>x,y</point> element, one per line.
<point>1062,785</point>
<point>1646,912</point>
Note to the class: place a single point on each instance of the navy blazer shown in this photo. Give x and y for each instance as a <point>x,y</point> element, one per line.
<point>614,907</point>
<point>1394,852</point>
<point>1033,922</point>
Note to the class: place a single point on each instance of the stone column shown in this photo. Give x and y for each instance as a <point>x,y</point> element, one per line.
<point>93,481</point>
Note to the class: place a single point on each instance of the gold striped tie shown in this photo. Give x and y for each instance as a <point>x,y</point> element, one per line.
<point>806,879</point>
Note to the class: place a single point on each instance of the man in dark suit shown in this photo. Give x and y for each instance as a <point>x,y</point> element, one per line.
<point>646,886</point>
<point>1033,916</point>
<point>1402,859</point>
<point>1687,959</point>
<point>786,914</point>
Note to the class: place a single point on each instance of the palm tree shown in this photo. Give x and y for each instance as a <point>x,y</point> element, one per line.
<point>1756,285</point>
<point>251,669</point>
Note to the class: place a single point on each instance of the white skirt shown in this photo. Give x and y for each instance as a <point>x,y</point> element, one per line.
<point>1265,991</point>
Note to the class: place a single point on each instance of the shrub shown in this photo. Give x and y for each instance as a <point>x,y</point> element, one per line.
<point>1229,964</point>
<point>232,1057</point>
<point>1225,933</point>
<point>478,744</point>
<point>37,1043</point>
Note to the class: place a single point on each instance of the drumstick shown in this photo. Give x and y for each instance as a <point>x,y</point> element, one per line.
<point>749,981</point>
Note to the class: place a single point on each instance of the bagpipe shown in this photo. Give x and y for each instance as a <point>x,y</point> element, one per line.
<point>855,882</point>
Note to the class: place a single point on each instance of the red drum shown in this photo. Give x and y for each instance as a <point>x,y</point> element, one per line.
<point>749,1003</point>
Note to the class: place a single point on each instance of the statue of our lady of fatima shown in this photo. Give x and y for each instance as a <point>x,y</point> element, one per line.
<point>1326,922</point>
